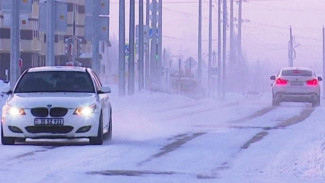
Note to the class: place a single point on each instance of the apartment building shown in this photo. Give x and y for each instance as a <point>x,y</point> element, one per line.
<point>33,41</point>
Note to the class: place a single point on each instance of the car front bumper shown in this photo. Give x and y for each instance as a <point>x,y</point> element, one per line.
<point>74,127</point>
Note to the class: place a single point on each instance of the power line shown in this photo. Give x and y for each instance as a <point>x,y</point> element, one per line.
<point>186,13</point>
<point>273,8</point>
<point>281,33</point>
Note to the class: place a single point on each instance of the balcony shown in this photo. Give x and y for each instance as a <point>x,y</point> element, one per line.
<point>30,45</point>
<point>4,45</point>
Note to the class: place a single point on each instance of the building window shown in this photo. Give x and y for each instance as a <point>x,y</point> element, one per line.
<point>81,9</point>
<point>70,7</point>
<point>26,34</point>
<point>4,33</point>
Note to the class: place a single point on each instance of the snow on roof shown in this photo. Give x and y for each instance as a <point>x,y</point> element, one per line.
<point>57,68</point>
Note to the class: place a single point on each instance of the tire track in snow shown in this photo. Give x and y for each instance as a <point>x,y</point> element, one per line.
<point>303,115</point>
<point>181,139</point>
<point>179,107</point>
<point>195,112</point>
<point>296,119</point>
<point>177,142</point>
<point>255,115</point>
<point>32,153</point>
<point>131,173</point>
<point>285,123</point>
<point>46,146</point>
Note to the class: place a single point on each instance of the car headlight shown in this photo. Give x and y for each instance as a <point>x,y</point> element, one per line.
<point>14,111</point>
<point>85,111</point>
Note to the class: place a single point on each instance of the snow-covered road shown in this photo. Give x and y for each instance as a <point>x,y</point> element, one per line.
<point>158,138</point>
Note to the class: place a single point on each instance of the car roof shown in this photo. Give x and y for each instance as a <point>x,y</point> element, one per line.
<point>57,68</point>
<point>296,68</point>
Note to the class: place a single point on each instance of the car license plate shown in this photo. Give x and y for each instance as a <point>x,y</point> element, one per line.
<point>48,121</point>
<point>296,83</point>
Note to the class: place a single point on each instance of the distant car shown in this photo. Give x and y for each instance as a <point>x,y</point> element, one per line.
<point>296,84</point>
<point>57,102</point>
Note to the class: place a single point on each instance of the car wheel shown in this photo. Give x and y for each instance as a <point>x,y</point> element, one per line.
<point>7,140</point>
<point>316,103</point>
<point>275,102</point>
<point>98,140</point>
<point>108,135</point>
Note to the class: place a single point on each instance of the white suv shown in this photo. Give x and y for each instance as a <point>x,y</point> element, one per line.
<point>296,84</point>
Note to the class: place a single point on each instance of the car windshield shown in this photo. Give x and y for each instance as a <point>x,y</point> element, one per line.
<point>55,81</point>
<point>296,73</point>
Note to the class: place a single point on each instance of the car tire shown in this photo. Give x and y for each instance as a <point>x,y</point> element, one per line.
<point>7,140</point>
<point>98,140</point>
<point>275,102</point>
<point>109,134</point>
<point>21,140</point>
<point>316,103</point>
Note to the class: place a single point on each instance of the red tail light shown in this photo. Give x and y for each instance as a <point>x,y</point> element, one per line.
<point>313,82</point>
<point>280,81</point>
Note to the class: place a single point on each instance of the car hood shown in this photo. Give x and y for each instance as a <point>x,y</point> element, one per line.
<point>68,100</point>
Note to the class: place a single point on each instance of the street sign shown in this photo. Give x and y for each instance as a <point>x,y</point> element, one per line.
<point>127,50</point>
<point>151,33</point>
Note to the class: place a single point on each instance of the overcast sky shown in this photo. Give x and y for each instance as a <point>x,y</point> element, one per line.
<point>265,33</point>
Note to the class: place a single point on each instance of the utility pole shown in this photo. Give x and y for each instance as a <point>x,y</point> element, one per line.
<point>232,52</point>
<point>200,45</point>
<point>141,47</point>
<point>239,57</point>
<point>159,65</point>
<point>147,54</point>
<point>323,59</point>
<point>219,49</point>
<point>213,79</point>
<point>50,36</point>
<point>210,46</point>
<point>131,40</point>
<point>153,63</point>
<point>14,34</point>
<point>240,20</point>
<point>122,48</point>
<point>291,49</point>
<point>224,54</point>
<point>95,38</point>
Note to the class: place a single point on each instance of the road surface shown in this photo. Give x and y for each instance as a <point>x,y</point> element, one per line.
<point>159,138</point>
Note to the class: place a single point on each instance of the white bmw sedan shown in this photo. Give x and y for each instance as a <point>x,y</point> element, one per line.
<point>57,102</point>
<point>296,84</point>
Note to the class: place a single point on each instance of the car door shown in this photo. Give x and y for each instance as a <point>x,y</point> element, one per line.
<point>103,100</point>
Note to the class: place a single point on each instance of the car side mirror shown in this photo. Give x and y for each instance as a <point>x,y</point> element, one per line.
<point>105,89</point>
<point>272,78</point>
<point>320,78</point>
